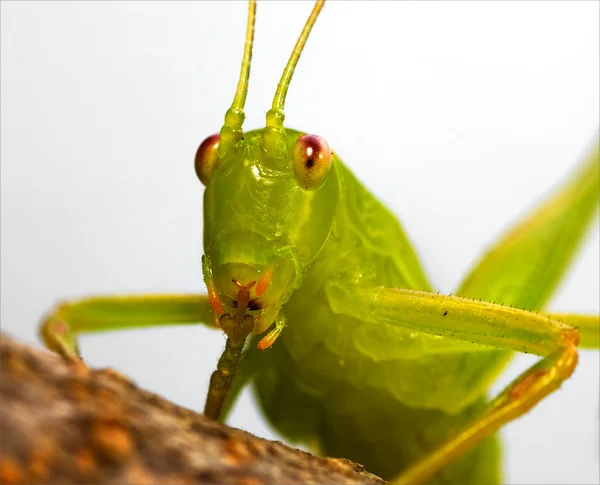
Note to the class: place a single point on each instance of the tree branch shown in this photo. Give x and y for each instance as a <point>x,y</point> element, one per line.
<point>67,423</point>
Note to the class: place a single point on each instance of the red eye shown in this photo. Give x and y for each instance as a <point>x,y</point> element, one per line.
<point>206,158</point>
<point>312,160</point>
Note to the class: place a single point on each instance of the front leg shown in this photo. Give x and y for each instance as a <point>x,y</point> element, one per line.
<point>60,328</point>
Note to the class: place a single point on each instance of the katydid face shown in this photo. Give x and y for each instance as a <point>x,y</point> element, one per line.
<point>265,219</point>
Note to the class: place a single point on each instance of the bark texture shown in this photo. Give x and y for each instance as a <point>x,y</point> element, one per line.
<point>67,423</point>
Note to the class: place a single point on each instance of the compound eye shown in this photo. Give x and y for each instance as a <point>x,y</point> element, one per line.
<point>206,158</point>
<point>312,161</point>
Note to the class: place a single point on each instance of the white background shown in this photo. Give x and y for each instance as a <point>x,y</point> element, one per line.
<point>457,115</point>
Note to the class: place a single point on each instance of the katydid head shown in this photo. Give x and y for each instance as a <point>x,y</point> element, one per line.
<point>268,205</point>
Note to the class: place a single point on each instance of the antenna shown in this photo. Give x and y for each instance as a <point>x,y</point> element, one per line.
<point>231,132</point>
<point>273,140</point>
<point>288,72</point>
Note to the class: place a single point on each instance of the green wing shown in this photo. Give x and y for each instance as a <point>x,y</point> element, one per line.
<point>525,266</point>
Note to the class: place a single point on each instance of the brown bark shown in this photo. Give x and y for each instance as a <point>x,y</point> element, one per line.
<point>67,423</point>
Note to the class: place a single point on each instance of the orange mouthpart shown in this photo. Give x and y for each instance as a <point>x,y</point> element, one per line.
<point>243,299</point>
<point>264,280</point>
<point>269,339</point>
<point>214,300</point>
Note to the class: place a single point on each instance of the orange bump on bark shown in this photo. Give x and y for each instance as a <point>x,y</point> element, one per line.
<point>112,439</point>
<point>11,471</point>
<point>15,366</point>
<point>80,369</point>
<point>117,376</point>
<point>40,457</point>
<point>139,475</point>
<point>248,481</point>
<point>110,403</point>
<point>85,461</point>
<point>237,451</point>
<point>256,448</point>
<point>79,391</point>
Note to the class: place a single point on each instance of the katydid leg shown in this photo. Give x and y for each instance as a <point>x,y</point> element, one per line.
<point>519,397</point>
<point>587,325</point>
<point>457,318</point>
<point>60,328</point>
<point>552,336</point>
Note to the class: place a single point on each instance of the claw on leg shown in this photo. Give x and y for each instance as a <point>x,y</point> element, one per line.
<point>58,337</point>
<point>60,328</point>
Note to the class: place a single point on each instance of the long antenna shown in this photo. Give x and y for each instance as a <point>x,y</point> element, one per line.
<point>275,115</point>
<point>231,132</point>
<point>242,89</point>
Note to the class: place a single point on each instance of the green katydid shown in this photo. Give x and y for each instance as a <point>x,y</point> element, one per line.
<point>336,278</point>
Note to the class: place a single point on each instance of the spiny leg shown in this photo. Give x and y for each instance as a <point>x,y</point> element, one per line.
<point>518,398</point>
<point>484,323</point>
<point>587,325</point>
<point>458,318</point>
<point>60,328</point>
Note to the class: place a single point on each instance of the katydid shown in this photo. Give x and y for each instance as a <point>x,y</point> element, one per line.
<point>368,365</point>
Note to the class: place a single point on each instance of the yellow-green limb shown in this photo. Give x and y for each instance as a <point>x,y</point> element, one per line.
<point>455,317</point>
<point>517,399</point>
<point>60,328</point>
<point>480,322</point>
<point>587,325</point>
